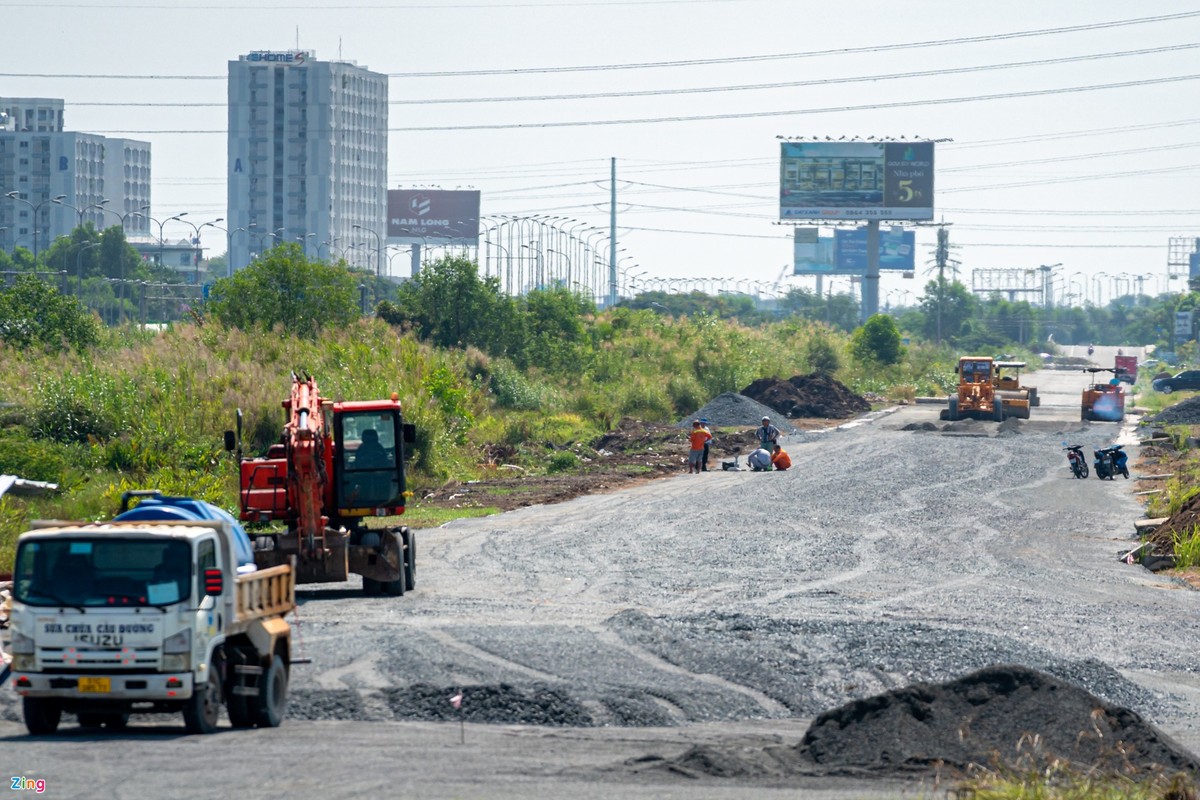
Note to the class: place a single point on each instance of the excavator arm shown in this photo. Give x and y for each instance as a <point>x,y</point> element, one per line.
<point>304,436</point>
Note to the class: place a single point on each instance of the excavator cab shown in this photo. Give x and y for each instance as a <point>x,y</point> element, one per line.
<point>369,465</point>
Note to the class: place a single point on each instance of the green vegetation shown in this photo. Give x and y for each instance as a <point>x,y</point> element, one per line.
<point>1059,781</point>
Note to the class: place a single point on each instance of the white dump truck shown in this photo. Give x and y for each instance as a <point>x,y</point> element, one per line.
<point>156,611</point>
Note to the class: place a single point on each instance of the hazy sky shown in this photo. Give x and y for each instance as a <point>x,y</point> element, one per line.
<point>1096,179</point>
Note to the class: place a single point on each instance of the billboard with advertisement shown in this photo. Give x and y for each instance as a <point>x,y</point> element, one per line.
<point>856,180</point>
<point>422,216</point>
<point>813,254</point>
<point>1183,324</point>
<point>897,247</point>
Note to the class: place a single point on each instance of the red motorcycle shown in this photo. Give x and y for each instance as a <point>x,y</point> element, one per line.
<point>1076,460</point>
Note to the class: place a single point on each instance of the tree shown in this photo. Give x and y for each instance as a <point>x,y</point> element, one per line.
<point>950,304</point>
<point>451,306</point>
<point>821,355</point>
<point>557,338</point>
<point>34,312</point>
<point>284,288</point>
<point>877,340</point>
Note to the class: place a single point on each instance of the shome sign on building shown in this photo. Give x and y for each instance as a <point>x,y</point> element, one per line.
<point>856,180</point>
<point>283,57</point>
<point>420,216</point>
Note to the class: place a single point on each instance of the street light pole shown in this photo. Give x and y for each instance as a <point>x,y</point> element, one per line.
<point>79,266</point>
<point>196,244</point>
<point>378,248</point>
<point>180,215</point>
<point>37,209</point>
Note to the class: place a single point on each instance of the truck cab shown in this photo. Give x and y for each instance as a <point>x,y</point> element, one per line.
<point>119,617</point>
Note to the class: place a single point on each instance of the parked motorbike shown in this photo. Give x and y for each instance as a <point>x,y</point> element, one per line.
<point>1111,460</point>
<point>1076,460</point>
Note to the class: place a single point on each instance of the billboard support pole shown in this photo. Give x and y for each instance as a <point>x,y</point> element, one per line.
<point>415,269</point>
<point>820,282</point>
<point>870,286</point>
<point>612,239</point>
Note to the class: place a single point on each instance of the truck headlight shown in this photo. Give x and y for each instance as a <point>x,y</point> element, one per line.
<point>177,663</point>
<point>22,645</point>
<point>23,663</point>
<point>179,643</point>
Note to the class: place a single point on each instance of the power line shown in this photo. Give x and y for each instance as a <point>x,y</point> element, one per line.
<point>1073,178</point>
<point>695,89</point>
<point>733,115</point>
<point>648,64</point>
<point>1080,157</point>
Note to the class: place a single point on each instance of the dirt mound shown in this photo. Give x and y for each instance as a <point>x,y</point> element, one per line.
<point>808,396</point>
<point>1182,523</point>
<point>989,715</point>
<point>920,426</point>
<point>731,409</point>
<point>1185,412</point>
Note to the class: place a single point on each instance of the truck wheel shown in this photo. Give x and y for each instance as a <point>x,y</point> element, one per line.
<point>42,715</point>
<point>1083,417</point>
<point>203,708</point>
<point>410,560</point>
<point>272,695</point>
<point>372,587</point>
<point>952,410</point>
<point>998,410</point>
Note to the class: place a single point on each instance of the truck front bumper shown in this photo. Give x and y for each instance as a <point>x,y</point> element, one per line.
<point>148,688</point>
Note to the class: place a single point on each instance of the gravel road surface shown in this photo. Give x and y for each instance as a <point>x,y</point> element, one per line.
<point>725,609</point>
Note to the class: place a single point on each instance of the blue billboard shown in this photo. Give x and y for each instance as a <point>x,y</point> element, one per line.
<point>897,248</point>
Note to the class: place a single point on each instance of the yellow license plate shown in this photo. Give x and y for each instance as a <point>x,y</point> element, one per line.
<point>95,685</point>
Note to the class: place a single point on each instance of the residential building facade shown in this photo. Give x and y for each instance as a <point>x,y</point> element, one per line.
<point>307,157</point>
<point>54,179</point>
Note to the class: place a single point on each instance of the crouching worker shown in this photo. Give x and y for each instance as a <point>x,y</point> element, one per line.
<point>780,459</point>
<point>760,460</point>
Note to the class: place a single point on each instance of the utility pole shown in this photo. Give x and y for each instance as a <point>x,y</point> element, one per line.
<point>612,239</point>
<point>942,257</point>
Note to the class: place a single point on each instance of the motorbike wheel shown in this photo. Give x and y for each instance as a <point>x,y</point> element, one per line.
<point>1125,472</point>
<point>1083,466</point>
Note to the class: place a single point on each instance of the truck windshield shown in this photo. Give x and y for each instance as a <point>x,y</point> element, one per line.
<point>102,572</point>
<point>370,478</point>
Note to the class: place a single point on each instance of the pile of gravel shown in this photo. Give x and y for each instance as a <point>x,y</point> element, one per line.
<point>1185,412</point>
<point>733,410</point>
<point>987,717</point>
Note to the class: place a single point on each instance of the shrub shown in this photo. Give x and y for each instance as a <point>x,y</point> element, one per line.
<point>821,355</point>
<point>563,461</point>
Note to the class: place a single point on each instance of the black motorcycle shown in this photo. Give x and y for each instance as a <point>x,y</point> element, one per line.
<point>1111,460</point>
<point>1076,460</point>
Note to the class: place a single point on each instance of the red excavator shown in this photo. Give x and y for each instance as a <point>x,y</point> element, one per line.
<point>336,465</point>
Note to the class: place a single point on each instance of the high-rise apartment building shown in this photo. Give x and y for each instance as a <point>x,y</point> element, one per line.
<point>51,179</point>
<point>307,157</point>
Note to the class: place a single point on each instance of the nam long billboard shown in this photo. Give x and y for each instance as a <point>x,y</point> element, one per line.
<point>433,216</point>
<point>856,180</point>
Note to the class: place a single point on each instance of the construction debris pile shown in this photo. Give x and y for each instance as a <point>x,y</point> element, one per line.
<point>1185,412</point>
<point>813,396</point>
<point>1007,717</point>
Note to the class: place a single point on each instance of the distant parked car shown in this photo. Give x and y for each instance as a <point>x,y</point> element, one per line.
<point>1186,381</point>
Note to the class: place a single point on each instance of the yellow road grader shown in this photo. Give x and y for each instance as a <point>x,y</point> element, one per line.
<point>978,395</point>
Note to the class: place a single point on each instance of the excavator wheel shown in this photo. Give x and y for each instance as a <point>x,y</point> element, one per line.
<point>952,410</point>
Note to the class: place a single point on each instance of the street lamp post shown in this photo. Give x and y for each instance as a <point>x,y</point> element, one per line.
<point>180,215</point>
<point>198,251</point>
<point>79,266</point>
<point>378,248</point>
<point>81,211</point>
<point>37,209</point>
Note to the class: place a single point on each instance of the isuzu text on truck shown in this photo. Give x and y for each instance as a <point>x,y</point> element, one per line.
<point>161,610</point>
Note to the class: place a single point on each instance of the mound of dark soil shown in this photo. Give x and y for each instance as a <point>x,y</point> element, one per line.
<point>1004,717</point>
<point>990,718</point>
<point>1185,412</point>
<point>807,396</point>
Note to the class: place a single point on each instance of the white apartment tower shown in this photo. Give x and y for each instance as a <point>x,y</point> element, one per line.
<point>307,157</point>
<point>51,179</point>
